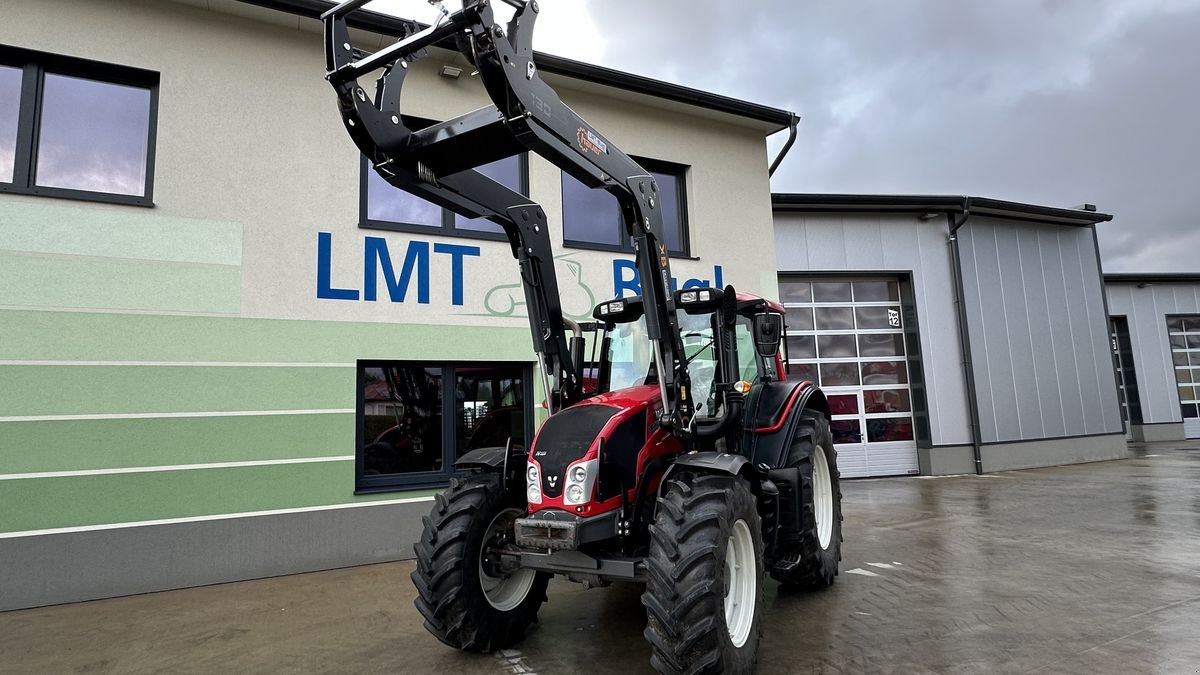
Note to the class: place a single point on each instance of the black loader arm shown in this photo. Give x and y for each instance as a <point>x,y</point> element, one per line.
<point>438,164</point>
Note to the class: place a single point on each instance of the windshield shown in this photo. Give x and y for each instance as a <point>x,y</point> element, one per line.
<point>631,356</point>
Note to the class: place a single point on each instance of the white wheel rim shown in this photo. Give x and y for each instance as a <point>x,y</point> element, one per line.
<point>503,593</point>
<point>741,583</point>
<point>822,487</point>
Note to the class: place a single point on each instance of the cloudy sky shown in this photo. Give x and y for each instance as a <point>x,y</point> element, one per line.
<point>1056,102</point>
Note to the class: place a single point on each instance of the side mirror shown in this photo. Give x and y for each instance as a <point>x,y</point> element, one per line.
<point>768,329</point>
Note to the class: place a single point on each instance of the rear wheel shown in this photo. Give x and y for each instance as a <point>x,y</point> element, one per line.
<point>703,594</point>
<point>812,560</point>
<point>467,601</point>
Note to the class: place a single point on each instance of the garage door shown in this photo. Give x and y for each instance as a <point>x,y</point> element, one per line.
<point>1184,334</point>
<point>847,335</point>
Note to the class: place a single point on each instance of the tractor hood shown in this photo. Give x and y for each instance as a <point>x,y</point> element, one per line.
<point>618,422</point>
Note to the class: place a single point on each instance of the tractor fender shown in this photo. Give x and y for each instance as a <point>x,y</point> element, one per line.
<point>776,409</point>
<point>482,458</point>
<point>707,462</point>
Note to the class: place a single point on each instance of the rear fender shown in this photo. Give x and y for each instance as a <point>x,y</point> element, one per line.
<point>773,408</point>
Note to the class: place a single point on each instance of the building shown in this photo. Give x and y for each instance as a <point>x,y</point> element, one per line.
<point>1156,335</point>
<point>953,334</point>
<point>227,349</point>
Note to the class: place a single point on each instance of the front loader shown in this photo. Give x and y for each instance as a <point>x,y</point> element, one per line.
<point>686,460</point>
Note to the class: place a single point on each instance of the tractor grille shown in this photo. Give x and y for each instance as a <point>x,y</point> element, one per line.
<point>566,437</point>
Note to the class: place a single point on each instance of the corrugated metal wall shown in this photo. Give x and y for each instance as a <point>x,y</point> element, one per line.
<point>893,243</point>
<point>1146,310</point>
<point>1038,331</point>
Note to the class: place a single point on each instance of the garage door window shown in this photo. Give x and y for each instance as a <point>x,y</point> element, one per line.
<point>416,419</point>
<point>848,336</point>
<point>1183,333</point>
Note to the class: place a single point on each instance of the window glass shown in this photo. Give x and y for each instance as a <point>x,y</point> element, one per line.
<point>886,400</point>
<point>93,136</point>
<point>876,291</point>
<point>1190,410</point>
<point>845,431</point>
<point>839,374</point>
<point>489,407</point>
<point>1193,341</point>
<point>878,318</point>
<point>889,429</point>
<point>593,216</point>
<point>801,347</point>
<point>1187,394</point>
<point>844,404</point>
<point>1178,341</point>
<point>836,346</point>
<point>831,292</point>
<point>505,171</point>
<point>630,354</point>
<point>402,420</point>
<point>10,107</point>
<point>701,353</point>
<point>1180,358</point>
<point>1195,356</point>
<point>835,318</point>
<point>887,372</point>
<point>589,216</point>
<point>1175,325</point>
<point>747,354</point>
<point>1183,375</point>
<point>1192,324</point>
<point>802,372</point>
<point>795,291</point>
<point>388,203</point>
<point>668,197</point>
<point>886,344</point>
<point>800,318</point>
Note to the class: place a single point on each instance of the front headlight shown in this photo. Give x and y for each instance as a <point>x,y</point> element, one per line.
<point>581,478</point>
<point>533,478</point>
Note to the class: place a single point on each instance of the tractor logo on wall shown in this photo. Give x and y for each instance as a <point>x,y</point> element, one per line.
<point>577,297</point>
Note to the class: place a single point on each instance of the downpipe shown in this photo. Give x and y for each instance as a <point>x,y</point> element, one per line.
<point>964,337</point>
<point>795,120</point>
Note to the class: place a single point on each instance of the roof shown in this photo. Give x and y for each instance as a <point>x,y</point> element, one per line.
<point>1152,278</point>
<point>397,27</point>
<point>982,206</point>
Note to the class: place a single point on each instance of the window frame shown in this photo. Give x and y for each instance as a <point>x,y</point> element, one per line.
<point>680,173</point>
<point>374,484</point>
<point>447,227</point>
<point>34,66</point>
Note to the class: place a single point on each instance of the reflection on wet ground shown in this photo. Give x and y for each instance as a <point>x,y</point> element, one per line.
<point>1092,568</point>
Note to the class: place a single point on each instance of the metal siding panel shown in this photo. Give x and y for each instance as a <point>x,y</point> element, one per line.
<point>1026,416</point>
<point>825,237</point>
<point>1079,344</point>
<point>941,345</point>
<point>1148,333</point>
<point>862,242</point>
<point>1104,366</point>
<point>791,245</point>
<point>973,257</point>
<point>1041,335</point>
<point>1059,310</point>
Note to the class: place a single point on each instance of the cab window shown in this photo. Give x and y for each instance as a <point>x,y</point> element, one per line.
<point>746,353</point>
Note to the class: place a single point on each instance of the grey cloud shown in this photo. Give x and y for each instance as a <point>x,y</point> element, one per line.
<point>1047,101</point>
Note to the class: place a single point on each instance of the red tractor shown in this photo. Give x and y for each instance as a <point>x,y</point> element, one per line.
<point>685,460</point>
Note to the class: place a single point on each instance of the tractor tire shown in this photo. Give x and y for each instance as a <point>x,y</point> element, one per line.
<point>812,561</point>
<point>464,605</point>
<point>704,585</point>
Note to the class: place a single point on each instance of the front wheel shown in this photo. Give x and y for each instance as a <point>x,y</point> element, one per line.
<point>467,601</point>
<point>811,560</point>
<point>704,588</point>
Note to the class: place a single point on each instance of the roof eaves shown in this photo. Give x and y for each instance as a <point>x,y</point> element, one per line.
<point>784,202</point>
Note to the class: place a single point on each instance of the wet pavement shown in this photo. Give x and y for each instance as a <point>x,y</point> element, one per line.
<point>1084,569</point>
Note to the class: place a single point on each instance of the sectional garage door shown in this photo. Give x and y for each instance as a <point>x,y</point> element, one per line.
<point>847,335</point>
<point>1184,334</point>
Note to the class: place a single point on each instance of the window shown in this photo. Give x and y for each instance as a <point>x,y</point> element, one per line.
<point>592,219</point>
<point>387,207</point>
<point>77,129</point>
<point>416,419</point>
